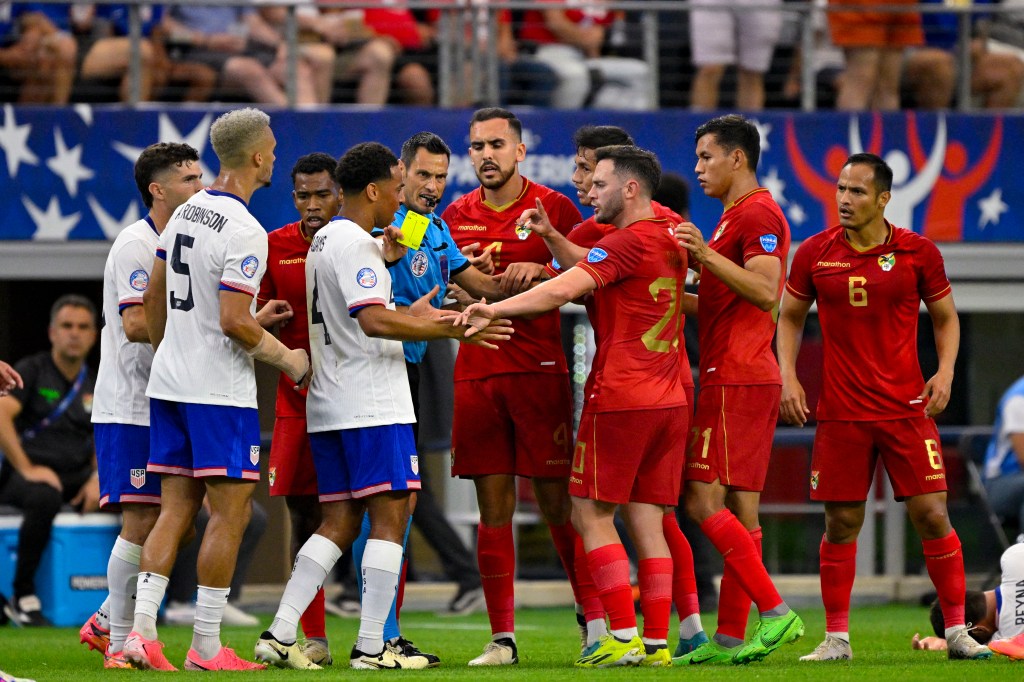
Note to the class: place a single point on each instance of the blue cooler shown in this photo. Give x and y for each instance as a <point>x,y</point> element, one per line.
<point>72,577</point>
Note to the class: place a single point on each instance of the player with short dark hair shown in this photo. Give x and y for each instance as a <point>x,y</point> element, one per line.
<point>630,446</point>
<point>743,267</point>
<point>496,434</point>
<point>869,279</point>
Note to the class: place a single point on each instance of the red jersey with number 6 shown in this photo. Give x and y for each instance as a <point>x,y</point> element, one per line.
<point>868,305</point>
<point>641,273</point>
<point>735,335</point>
<point>536,345</point>
<point>286,280</point>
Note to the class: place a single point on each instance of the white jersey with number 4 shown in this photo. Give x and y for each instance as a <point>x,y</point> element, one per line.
<point>211,243</point>
<point>120,395</point>
<point>358,381</point>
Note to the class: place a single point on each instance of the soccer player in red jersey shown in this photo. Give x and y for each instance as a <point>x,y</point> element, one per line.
<point>743,272</point>
<point>512,409</point>
<point>869,279</point>
<point>629,449</point>
<point>570,249</point>
<point>292,474</point>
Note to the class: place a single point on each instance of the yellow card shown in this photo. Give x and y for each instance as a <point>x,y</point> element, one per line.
<point>413,228</point>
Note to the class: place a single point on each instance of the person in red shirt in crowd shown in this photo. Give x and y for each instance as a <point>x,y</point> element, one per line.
<point>630,446</point>
<point>869,279</point>
<point>743,268</point>
<point>414,41</point>
<point>571,249</point>
<point>498,433</point>
<point>292,474</point>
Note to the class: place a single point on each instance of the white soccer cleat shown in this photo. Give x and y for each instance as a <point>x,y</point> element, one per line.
<point>499,652</point>
<point>387,659</point>
<point>961,646</point>
<point>317,651</point>
<point>832,649</point>
<point>279,655</point>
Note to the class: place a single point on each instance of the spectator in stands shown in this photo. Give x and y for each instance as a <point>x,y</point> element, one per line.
<point>570,42</point>
<point>931,71</point>
<point>415,41</point>
<point>873,43</point>
<point>1004,460</point>
<point>46,439</point>
<point>184,579</point>
<point>827,63</point>
<point>37,60</point>
<point>733,34</point>
<point>240,46</point>
<point>316,58</point>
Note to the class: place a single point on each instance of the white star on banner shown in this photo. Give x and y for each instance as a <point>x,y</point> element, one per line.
<point>168,132</point>
<point>992,207</point>
<point>51,225</point>
<point>796,214</point>
<point>67,163</point>
<point>110,225</point>
<point>775,185</point>
<point>14,142</point>
<point>84,112</point>
<point>763,131</point>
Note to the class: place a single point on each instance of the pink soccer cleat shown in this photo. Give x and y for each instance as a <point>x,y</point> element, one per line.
<point>226,659</point>
<point>93,635</point>
<point>147,654</point>
<point>114,661</point>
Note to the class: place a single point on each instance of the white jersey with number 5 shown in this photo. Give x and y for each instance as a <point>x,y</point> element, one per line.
<point>211,243</point>
<point>120,396</point>
<point>358,381</point>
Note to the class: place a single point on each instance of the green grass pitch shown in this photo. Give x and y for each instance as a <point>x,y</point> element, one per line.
<point>548,641</point>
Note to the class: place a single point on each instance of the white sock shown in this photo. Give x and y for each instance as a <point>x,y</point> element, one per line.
<point>953,630</point>
<point>655,642</point>
<point>210,603</point>
<point>122,576</point>
<point>495,636</point>
<point>626,634</point>
<point>596,629</point>
<point>103,612</point>
<point>312,564</point>
<point>690,626</point>
<point>845,636</point>
<point>382,564</point>
<point>148,595</point>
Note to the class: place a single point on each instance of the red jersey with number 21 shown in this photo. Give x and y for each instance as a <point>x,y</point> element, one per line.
<point>641,274</point>
<point>536,345</point>
<point>735,335</point>
<point>868,305</point>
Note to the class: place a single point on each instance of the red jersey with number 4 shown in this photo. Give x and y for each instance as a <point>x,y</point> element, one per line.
<point>735,335</point>
<point>641,274</point>
<point>536,345</point>
<point>286,280</point>
<point>588,233</point>
<point>868,305</point>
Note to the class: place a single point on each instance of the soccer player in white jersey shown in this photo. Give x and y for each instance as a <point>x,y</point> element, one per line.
<point>204,431</point>
<point>167,174</point>
<point>359,408</point>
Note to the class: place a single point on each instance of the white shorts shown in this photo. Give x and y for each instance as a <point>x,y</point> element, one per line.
<point>735,35</point>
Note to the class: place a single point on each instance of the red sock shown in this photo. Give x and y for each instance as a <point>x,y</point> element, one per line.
<point>587,593</point>
<point>838,570</point>
<point>313,617</point>
<point>496,555</point>
<point>733,602</point>
<point>400,596</point>
<point>684,583</point>
<point>945,563</point>
<point>564,537</point>
<point>655,577</point>
<point>738,548</point>
<point>609,566</point>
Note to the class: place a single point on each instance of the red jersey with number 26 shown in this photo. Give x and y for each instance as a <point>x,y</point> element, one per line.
<point>536,345</point>
<point>641,274</point>
<point>735,335</point>
<point>286,279</point>
<point>868,305</point>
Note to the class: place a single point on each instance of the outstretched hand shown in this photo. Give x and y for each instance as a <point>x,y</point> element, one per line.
<point>392,250</point>
<point>536,219</point>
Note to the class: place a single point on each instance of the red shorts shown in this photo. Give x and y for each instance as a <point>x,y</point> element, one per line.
<point>512,424</point>
<point>843,463</point>
<point>731,436</point>
<point>291,461</point>
<point>876,29</point>
<point>634,456</point>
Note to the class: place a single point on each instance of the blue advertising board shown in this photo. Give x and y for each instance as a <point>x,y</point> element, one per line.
<point>66,173</point>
